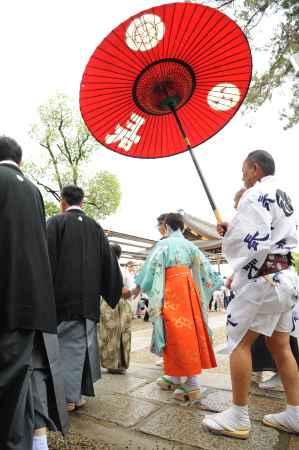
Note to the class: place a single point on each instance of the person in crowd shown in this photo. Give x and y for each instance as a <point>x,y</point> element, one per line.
<point>31,387</point>
<point>84,268</point>
<point>179,281</point>
<point>218,300</point>
<point>115,328</point>
<point>226,293</point>
<point>161,225</point>
<point>129,274</point>
<point>257,244</point>
<point>262,360</point>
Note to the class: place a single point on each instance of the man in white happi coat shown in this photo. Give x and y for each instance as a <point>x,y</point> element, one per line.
<point>257,244</point>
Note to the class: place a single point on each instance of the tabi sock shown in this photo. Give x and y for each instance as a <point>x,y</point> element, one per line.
<point>234,418</point>
<point>40,443</point>
<point>288,419</point>
<point>175,380</point>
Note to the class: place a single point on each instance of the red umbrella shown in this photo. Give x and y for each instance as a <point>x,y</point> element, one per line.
<point>169,72</point>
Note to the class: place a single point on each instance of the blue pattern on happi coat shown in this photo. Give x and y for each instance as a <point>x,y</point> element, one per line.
<point>252,240</point>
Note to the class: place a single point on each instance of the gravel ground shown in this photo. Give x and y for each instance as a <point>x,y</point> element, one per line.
<point>75,441</point>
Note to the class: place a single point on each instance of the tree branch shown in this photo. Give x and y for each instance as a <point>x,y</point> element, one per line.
<point>54,161</point>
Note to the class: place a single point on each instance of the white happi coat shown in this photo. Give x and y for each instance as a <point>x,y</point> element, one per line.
<point>264,224</point>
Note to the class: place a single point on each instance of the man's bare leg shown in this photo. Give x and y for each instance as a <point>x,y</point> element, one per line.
<point>235,420</point>
<point>241,369</point>
<point>288,420</point>
<point>279,346</point>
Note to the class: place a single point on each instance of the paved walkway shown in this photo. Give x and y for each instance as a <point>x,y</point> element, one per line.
<point>131,412</point>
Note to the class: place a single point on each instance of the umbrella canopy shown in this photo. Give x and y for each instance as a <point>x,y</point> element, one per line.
<point>181,56</point>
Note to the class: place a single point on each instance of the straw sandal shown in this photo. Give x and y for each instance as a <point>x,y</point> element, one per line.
<point>270,421</point>
<point>213,427</point>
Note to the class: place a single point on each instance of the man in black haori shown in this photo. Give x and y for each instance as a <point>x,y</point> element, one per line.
<point>84,268</point>
<point>31,383</point>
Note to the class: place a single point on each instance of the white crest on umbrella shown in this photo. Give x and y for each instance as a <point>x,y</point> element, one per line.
<point>224,96</point>
<point>145,32</point>
<point>126,136</point>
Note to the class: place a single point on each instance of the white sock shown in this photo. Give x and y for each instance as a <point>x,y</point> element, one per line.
<point>40,443</point>
<point>293,409</point>
<point>233,419</point>
<point>193,381</point>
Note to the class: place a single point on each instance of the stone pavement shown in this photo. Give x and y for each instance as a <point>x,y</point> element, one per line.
<point>131,412</point>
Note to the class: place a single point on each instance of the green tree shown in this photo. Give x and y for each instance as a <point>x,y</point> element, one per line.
<point>283,40</point>
<point>66,150</point>
<point>296,261</point>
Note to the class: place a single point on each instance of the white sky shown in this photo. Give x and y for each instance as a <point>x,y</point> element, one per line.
<point>45,46</point>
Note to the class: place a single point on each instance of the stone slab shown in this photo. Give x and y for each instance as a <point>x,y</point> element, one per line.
<point>152,392</point>
<point>118,438</point>
<point>254,389</point>
<point>118,383</point>
<point>184,425</point>
<point>258,406</point>
<point>215,380</point>
<point>146,372</point>
<point>119,409</point>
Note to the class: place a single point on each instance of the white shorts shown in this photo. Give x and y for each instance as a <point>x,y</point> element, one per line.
<point>266,324</point>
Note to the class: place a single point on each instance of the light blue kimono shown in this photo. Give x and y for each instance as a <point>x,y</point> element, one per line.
<point>174,251</point>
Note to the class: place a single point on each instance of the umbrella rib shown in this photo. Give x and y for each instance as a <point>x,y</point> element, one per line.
<point>110,70</point>
<point>201,48</point>
<point>117,62</point>
<point>126,104</point>
<point>135,61</point>
<point>192,37</point>
<point>210,58</point>
<point>194,27</point>
<point>200,56</point>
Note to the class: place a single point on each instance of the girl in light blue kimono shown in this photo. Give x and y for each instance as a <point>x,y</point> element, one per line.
<point>179,282</point>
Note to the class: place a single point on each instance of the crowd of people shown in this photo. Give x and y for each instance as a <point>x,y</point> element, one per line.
<point>66,305</point>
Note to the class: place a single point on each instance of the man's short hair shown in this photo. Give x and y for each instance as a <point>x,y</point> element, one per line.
<point>175,221</point>
<point>72,195</point>
<point>161,219</point>
<point>117,249</point>
<point>130,264</point>
<point>264,160</point>
<point>10,149</point>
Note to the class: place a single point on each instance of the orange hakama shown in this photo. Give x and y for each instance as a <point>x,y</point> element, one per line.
<point>188,347</point>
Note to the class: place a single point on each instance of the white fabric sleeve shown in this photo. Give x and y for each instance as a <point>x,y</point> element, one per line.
<point>248,238</point>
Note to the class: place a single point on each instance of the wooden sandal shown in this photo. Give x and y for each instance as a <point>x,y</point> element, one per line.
<point>185,393</point>
<point>166,384</point>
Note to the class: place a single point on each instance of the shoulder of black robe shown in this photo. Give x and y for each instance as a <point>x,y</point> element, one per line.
<point>26,288</point>
<point>55,227</point>
<point>112,281</point>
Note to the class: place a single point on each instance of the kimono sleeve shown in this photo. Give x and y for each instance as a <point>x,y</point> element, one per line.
<point>248,239</point>
<point>153,266</point>
<point>206,280</point>
<point>111,276</point>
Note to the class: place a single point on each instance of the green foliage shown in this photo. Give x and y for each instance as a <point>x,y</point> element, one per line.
<point>296,261</point>
<point>67,147</point>
<point>283,41</point>
<point>51,208</point>
<point>102,195</point>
